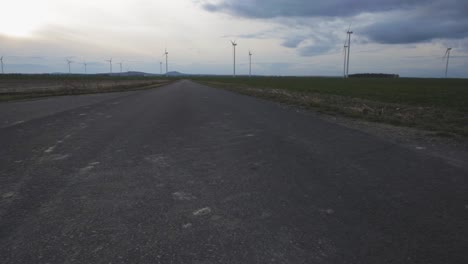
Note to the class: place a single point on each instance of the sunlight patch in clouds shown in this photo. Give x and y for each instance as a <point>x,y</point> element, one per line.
<point>20,18</point>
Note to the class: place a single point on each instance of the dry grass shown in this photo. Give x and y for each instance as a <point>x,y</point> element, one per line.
<point>23,87</point>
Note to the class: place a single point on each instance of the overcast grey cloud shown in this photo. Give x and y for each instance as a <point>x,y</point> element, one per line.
<point>293,41</point>
<point>397,21</point>
<point>315,49</point>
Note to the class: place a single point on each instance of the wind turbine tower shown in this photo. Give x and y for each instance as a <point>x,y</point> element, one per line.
<point>166,54</point>
<point>110,64</point>
<point>160,67</point>
<point>349,51</point>
<point>234,44</point>
<point>447,54</point>
<point>69,68</point>
<point>345,51</point>
<point>1,61</point>
<point>250,64</point>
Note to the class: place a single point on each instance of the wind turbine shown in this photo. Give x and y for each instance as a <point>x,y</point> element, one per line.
<point>110,64</point>
<point>1,61</point>
<point>85,64</point>
<point>447,55</point>
<point>345,51</point>
<point>69,68</point>
<point>165,54</point>
<point>234,44</point>
<point>120,63</point>
<point>250,63</point>
<point>160,67</point>
<point>349,32</point>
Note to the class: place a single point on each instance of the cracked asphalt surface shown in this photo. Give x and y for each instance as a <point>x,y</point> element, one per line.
<point>186,173</point>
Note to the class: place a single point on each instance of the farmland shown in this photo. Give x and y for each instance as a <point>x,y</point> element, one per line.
<point>16,86</point>
<point>439,105</point>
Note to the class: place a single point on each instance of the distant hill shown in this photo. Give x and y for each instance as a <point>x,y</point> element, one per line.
<point>176,74</point>
<point>135,73</point>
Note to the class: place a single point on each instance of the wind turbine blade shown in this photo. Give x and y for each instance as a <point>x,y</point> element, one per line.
<point>344,46</point>
<point>445,55</point>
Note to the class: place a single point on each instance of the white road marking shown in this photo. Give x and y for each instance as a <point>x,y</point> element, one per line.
<point>17,123</point>
<point>86,169</point>
<point>8,195</point>
<point>49,150</point>
<point>182,196</point>
<point>202,211</point>
<point>90,166</point>
<point>188,225</point>
<point>54,157</point>
<point>60,157</point>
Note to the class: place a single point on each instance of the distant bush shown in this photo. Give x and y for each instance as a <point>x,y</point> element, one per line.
<point>374,75</point>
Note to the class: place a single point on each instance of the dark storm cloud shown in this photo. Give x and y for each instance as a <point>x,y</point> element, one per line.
<point>306,8</point>
<point>411,31</point>
<point>439,20</point>
<point>395,21</point>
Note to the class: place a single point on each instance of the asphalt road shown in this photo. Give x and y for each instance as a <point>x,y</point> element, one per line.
<point>191,174</point>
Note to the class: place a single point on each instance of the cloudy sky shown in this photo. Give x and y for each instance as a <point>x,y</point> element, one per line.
<point>286,37</point>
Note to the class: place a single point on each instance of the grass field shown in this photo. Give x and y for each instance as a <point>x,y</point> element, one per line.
<point>439,105</point>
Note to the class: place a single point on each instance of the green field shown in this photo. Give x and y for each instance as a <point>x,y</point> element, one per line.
<point>439,105</point>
